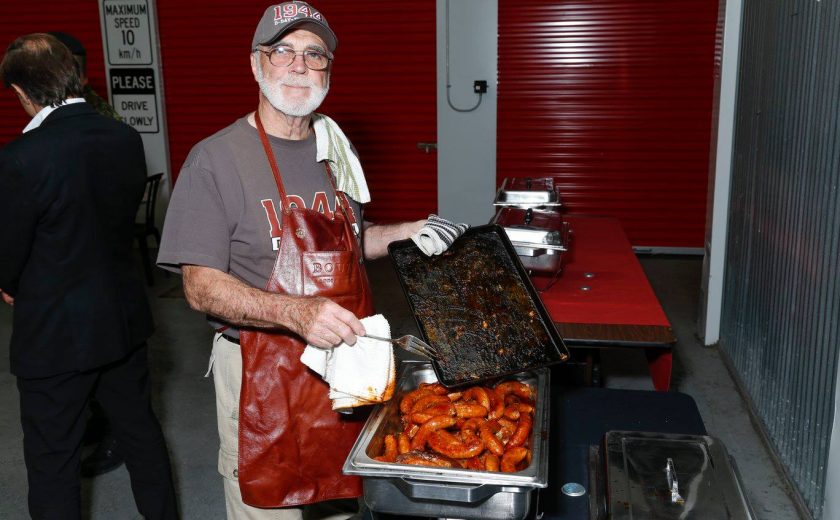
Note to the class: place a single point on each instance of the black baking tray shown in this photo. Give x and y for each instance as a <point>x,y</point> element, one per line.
<point>476,306</point>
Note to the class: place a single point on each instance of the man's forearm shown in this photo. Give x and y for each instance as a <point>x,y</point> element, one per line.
<point>378,236</point>
<point>221,295</point>
<point>318,320</point>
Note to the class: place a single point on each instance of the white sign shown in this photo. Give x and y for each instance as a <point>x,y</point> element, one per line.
<point>133,93</point>
<point>132,68</point>
<point>127,32</point>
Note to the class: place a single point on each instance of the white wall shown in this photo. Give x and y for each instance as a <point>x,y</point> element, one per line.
<point>466,144</point>
<point>717,212</point>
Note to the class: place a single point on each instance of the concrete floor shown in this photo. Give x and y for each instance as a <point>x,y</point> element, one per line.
<point>184,399</point>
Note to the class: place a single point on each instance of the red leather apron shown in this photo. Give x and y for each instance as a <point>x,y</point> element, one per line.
<point>292,445</point>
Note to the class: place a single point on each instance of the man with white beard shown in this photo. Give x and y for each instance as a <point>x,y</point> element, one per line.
<point>265,224</point>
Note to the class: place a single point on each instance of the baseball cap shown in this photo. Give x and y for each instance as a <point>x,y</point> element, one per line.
<point>281,18</point>
<point>72,43</point>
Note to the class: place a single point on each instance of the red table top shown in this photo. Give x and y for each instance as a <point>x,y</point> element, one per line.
<point>618,290</point>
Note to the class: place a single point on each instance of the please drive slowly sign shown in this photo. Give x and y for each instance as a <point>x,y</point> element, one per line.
<point>133,92</point>
<point>132,67</point>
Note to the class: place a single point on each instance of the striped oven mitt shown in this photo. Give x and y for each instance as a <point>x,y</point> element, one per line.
<point>437,235</point>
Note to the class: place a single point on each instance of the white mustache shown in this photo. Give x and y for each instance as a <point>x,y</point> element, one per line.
<point>297,82</point>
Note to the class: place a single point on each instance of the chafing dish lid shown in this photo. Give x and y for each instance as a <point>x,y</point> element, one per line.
<point>528,192</point>
<point>665,476</point>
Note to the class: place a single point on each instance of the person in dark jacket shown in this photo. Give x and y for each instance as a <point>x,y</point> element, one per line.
<point>70,187</point>
<point>106,456</point>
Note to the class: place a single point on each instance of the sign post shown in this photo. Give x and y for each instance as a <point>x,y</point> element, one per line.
<point>132,66</point>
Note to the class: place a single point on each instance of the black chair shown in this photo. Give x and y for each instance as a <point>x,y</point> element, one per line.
<point>147,227</point>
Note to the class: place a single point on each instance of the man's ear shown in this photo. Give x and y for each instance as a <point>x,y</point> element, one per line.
<point>28,105</point>
<point>254,57</point>
<point>24,99</point>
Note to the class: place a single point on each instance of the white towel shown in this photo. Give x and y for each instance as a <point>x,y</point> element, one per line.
<point>358,375</point>
<point>332,145</point>
<point>437,235</point>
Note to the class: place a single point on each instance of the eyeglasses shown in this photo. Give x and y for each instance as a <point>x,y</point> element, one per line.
<point>285,56</point>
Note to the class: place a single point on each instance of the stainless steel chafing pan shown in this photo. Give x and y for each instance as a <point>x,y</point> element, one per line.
<point>446,492</point>
<point>540,238</point>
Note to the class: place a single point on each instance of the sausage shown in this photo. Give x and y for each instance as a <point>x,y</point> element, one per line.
<point>410,430</point>
<point>440,409</point>
<point>507,431</point>
<point>523,429</point>
<point>479,395</point>
<point>454,396</point>
<point>470,410</point>
<point>513,457</point>
<point>491,462</point>
<point>516,388</point>
<point>428,401</point>
<point>474,463</point>
<point>497,405</point>
<point>445,443</point>
<point>390,454</point>
<point>435,388</point>
<point>435,423</point>
<point>513,411</point>
<point>471,425</point>
<point>425,458</point>
<point>488,437</point>
<point>408,401</point>
<point>403,443</point>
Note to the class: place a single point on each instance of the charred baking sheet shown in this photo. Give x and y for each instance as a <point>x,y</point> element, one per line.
<point>476,307</point>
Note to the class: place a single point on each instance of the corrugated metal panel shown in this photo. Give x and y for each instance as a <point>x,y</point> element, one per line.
<point>782,289</point>
<point>19,18</point>
<point>613,98</point>
<point>382,93</point>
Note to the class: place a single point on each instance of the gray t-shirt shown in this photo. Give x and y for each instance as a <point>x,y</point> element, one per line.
<point>225,210</point>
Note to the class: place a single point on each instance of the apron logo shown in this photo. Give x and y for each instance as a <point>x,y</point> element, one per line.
<point>328,268</point>
<point>300,233</point>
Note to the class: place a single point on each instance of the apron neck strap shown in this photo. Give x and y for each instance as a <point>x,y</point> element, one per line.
<point>269,153</point>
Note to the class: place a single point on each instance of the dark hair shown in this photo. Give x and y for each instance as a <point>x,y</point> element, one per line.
<point>76,47</point>
<point>43,68</point>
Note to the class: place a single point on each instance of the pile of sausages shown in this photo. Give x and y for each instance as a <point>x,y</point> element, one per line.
<point>478,428</point>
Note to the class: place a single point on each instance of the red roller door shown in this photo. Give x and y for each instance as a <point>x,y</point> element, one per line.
<point>382,94</point>
<point>382,91</point>
<point>614,99</point>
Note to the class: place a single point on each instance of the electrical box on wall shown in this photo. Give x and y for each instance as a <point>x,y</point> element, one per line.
<point>480,87</point>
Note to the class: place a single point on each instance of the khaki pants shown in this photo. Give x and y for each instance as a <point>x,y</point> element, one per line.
<point>226,364</point>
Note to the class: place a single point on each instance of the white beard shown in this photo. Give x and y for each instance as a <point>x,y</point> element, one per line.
<point>273,92</point>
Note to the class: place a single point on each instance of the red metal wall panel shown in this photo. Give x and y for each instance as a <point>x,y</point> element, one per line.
<point>382,90</point>
<point>613,98</point>
<point>382,93</point>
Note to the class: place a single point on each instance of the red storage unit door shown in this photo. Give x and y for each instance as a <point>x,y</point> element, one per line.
<point>614,99</point>
<point>382,94</point>
<point>382,90</point>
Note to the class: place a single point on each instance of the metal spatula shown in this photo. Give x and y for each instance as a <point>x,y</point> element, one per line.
<point>409,343</point>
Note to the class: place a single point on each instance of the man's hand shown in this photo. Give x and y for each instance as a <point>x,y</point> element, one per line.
<point>322,322</point>
<point>6,298</point>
